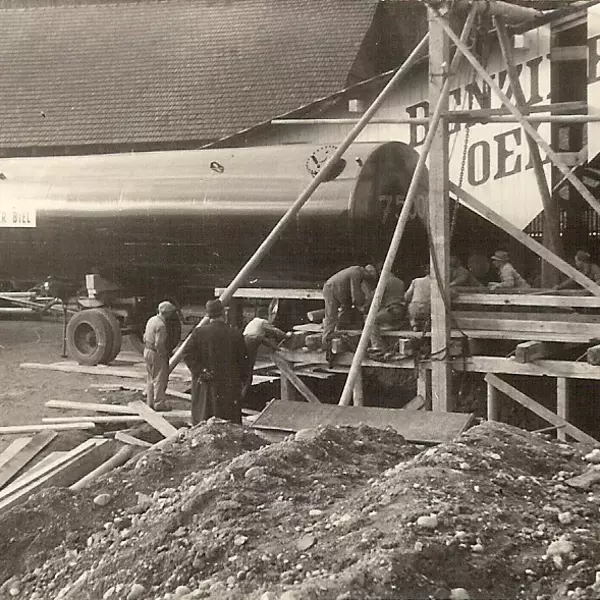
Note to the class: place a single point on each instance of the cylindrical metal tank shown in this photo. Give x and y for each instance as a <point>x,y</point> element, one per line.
<point>173,210</point>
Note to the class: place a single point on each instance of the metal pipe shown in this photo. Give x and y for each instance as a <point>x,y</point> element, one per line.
<point>357,359</point>
<point>511,12</point>
<point>577,184</point>
<point>304,196</point>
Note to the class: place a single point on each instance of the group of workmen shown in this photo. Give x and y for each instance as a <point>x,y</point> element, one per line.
<point>221,359</point>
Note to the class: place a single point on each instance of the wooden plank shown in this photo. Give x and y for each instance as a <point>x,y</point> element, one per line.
<point>268,293</point>
<point>24,481</point>
<point>416,426</point>
<point>529,351</point>
<point>69,469</point>
<point>584,330</point>
<point>138,386</point>
<point>46,427</point>
<point>153,418</point>
<point>492,403</point>
<point>546,317</point>
<point>72,367</point>
<point>537,300</point>
<point>14,447</point>
<point>131,440</point>
<point>52,457</point>
<point>358,394</point>
<point>173,414</point>
<point>18,462</point>
<point>522,237</point>
<point>539,410</point>
<point>286,370</point>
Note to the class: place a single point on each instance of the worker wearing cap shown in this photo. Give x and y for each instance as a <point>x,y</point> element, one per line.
<point>157,349</point>
<point>509,276</point>
<point>584,264</point>
<point>344,291</point>
<point>218,360</point>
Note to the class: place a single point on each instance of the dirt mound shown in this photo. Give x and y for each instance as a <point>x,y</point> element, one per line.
<point>330,513</point>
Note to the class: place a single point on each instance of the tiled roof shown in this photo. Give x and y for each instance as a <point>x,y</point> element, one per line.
<point>171,70</point>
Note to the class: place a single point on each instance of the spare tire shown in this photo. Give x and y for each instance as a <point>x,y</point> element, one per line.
<point>89,337</point>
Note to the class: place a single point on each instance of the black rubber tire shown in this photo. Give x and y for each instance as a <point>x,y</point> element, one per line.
<point>89,337</point>
<point>117,338</point>
<point>137,342</point>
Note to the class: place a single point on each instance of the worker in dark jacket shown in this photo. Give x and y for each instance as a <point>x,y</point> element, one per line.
<point>342,292</point>
<point>461,276</point>
<point>584,264</point>
<point>218,360</point>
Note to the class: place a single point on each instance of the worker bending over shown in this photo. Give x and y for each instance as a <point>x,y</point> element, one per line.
<point>584,264</point>
<point>391,311</point>
<point>259,331</point>
<point>159,342</point>
<point>418,297</point>
<point>342,292</point>
<point>509,276</point>
<point>218,360</point>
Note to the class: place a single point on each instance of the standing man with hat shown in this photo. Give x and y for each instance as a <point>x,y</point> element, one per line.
<point>218,360</point>
<point>584,264</point>
<point>158,345</point>
<point>509,276</point>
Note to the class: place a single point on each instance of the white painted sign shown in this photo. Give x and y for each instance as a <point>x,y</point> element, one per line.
<point>16,216</point>
<point>593,23</point>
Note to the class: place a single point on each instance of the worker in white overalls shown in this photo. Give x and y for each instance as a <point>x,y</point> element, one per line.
<point>156,355</point>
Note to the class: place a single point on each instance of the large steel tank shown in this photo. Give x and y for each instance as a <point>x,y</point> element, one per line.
<point>200,213</point>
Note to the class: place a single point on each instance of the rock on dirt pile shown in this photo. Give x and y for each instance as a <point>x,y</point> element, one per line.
<point>331,513</point>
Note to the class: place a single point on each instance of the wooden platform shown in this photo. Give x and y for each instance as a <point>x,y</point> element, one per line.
<point>415,426</point>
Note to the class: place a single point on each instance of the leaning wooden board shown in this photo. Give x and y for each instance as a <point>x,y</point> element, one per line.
<point>152,417</point>
<point>18,462</point>
<point>416,426</point>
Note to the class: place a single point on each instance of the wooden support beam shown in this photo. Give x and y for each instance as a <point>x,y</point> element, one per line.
<point>536,300</point>
<point>539,410</point>
<point>551,215</point>
<point>417,403</point>
<point>16,464</point>
<point>492,403</point>
<point>152,418</point>
<point>288,373</point>
<point>120,458</point>
<point>424,385</point>
<point>526,352</point>
<point>439,215</point>
<point>532,131</point>
<point>358,395</point>
<point>562,404</point>
<point>522,237</point>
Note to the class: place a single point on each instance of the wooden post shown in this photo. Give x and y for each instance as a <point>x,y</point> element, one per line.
<point>562,404</point>
<point>439,217</point>
<point>530,129</point>
<point>492,403</point>
<point>551,217</point>
<point>358,397</point>
<point>424,385</point>
<point>304,196</point>
<point>413,190</point>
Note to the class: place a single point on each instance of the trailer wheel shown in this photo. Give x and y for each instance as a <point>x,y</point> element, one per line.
<point>116,336</point>
<point>89,337</point>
